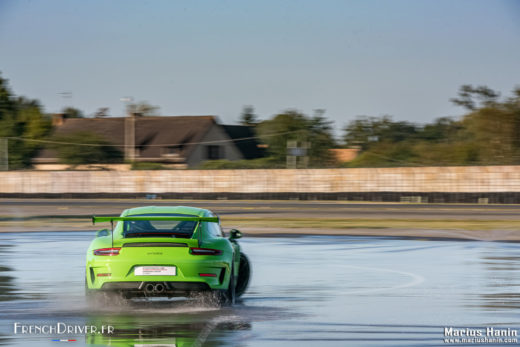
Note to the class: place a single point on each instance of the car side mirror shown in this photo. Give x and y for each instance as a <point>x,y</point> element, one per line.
<point>101,233</point>
<point>234,234</point>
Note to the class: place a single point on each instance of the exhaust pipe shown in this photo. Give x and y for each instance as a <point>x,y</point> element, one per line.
<point>149,288</point>
<point>159,288</point>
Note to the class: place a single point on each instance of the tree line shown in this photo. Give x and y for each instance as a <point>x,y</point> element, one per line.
<point>488,134</point>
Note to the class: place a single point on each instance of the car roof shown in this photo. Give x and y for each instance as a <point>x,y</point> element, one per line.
<point>193,211</point>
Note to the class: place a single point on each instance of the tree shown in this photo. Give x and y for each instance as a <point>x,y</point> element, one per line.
<point>248,117</point>
<point>101,112</point>
<point>367,131</point>
<point>319,135</point>
<point>489,134</point>
<point>289,125</point>
<point>85,148</point>
<point>496,132</point>
<point>360,133</point>
<point>71,112</point>
<point>142,108</point>
<point>468,93</point>
<point>294,126</point>
<point>21,120</point>
<point>441,129</point>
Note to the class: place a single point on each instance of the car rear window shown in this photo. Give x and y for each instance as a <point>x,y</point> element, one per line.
<point>159,228</point>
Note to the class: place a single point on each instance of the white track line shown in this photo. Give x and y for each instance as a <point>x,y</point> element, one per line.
<point>416,280</point>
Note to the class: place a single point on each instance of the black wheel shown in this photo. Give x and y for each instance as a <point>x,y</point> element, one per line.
<point>244,274</point>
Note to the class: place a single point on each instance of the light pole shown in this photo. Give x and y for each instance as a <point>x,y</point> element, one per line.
<point>129,124</point>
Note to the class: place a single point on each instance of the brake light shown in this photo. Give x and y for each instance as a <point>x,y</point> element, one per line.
<point>207,275</point>
<point>205,251</point>
<point>107,251</point>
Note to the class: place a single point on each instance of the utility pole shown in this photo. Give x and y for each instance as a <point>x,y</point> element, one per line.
<point>295,150</point>
<point>4,154</point>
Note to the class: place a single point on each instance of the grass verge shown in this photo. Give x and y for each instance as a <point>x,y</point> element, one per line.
<point>318,223</point>
<point>73,222</point>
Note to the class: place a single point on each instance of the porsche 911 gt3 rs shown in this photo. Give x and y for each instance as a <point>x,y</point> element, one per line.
<point>165,252</point>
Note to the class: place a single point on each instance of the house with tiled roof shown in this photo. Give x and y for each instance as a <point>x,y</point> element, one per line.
<point>176,142</point>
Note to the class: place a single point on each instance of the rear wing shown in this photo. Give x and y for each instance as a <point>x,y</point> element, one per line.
<point>188,219</point>
<point>122,219</point>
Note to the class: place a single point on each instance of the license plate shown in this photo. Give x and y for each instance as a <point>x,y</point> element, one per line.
<point>155,271</point>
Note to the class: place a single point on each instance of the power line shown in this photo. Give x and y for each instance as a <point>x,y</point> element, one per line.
<point>161,145</point>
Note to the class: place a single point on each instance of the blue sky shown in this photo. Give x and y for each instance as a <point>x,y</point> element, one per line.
<point>402,58</point>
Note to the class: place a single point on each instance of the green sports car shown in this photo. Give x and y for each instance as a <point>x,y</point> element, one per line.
<point>165,252</point>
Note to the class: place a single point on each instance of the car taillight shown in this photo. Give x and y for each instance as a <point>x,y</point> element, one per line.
<point>205,251</point>
<point>107,251</point>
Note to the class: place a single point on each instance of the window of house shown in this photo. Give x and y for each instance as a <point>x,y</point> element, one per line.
<point>214,152</point>
<point>139,150</point>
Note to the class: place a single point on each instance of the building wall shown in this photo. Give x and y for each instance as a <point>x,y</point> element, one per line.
<point>484,179</point>
<point>344,155</point>
<point>216,133</point>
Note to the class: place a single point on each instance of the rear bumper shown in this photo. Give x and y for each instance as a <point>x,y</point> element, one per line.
<point>110,274</point>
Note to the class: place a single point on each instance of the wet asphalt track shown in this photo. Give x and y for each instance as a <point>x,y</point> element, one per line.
<point>306,291</point>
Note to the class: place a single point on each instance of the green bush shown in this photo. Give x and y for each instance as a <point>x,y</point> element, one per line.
<point>260,163</point>
<point>147,166</point>
<point>85,148</point>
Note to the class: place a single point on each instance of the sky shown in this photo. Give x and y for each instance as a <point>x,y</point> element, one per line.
<point>351,58</point>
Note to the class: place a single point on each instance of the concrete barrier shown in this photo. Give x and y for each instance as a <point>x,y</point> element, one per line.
<point>394,183</point>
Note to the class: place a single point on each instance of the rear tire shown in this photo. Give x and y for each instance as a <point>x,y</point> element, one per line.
<point>227,296</point>
<point>244,274</point>
<point>221,297</point>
